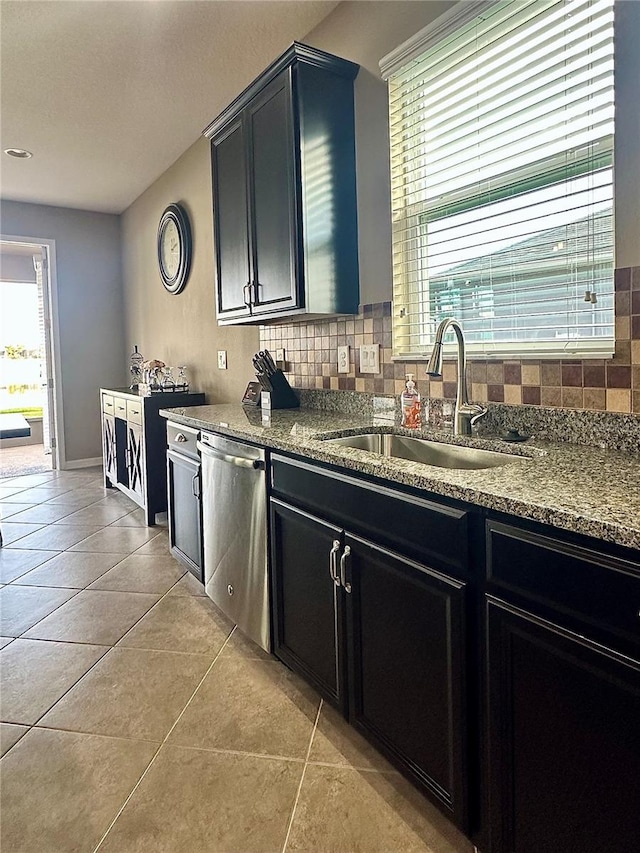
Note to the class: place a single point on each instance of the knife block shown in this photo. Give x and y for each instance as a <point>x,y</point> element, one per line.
<point>282,394</point>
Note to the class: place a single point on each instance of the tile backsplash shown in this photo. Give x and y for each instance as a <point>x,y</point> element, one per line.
<point>606,385</point>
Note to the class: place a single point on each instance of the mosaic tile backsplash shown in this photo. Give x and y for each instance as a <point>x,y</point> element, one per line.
<point>611,385</point>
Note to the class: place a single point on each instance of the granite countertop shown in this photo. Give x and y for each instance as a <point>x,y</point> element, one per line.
<point>586,490</point>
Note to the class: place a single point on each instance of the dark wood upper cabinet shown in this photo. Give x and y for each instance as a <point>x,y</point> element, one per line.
<point>284,192</point>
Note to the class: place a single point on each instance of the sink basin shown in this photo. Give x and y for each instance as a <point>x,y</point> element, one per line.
<point>426,451</point>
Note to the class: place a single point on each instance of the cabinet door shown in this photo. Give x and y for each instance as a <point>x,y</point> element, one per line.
<point>231,222</point>
<point>272,168</point>
<point>564,739</point>
<point>307,599</point>
<point>109,448</point>
<point>135,461</point>
<point>185,511</point>
<point>406,668</point>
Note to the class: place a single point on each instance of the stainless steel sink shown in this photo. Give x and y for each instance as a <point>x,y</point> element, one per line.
<point>426,451</point>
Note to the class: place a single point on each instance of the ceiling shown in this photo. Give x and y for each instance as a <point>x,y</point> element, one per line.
<point>107,94</point>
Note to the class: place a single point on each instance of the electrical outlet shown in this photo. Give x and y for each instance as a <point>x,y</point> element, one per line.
<point>280,355</point>
<point>370,358</point>
<point>222,359</point>
<point>343,359</point>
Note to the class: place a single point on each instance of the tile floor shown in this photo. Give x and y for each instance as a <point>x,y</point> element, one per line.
<point>134,718</point>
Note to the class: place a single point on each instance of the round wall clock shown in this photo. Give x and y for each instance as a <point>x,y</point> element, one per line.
<point>174,248</point>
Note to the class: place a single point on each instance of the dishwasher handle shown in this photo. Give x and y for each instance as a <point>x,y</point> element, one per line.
<point>240,461</point>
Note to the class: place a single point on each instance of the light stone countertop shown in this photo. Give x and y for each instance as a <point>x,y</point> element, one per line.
<point>586,490</point>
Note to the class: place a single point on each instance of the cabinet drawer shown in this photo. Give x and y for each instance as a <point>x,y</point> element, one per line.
<point>431,533</point>
<point>596,588</point>
<point>120,408</point>
<point>134,411</point>
<point>183,439</point>
<point>108,405</point>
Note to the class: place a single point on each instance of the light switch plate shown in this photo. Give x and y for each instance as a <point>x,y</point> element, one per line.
<point>343,359</point>
<point>222,359</point>
<point>280,355</point>
<point>370,358</point>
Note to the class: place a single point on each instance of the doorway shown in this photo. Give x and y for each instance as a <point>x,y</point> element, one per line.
<point>28,422</point>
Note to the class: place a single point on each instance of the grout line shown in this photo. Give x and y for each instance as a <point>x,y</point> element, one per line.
<point>304,770</point>
<point>220,751</point>
<point>166,737</point>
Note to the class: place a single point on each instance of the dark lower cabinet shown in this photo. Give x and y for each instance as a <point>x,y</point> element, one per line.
<point>396,625</point>
<point>308,607</point>
<point>564,732</point>
<point>185,511</point>
<point>406,667</point>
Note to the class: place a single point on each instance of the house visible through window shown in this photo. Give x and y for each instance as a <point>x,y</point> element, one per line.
<point>501,126</point>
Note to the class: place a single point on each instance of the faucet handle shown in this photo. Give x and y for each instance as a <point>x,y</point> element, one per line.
<point>472,412</point>
<point>480,412</point>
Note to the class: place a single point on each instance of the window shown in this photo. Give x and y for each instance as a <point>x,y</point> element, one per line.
<point>501,126</point>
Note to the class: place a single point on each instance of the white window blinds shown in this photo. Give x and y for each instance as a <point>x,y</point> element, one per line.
<point>501,126</point>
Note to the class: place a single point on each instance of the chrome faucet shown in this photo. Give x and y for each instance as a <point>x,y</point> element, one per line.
<point>466,414</point>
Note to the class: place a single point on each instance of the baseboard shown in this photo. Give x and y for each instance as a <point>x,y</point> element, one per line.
<point>70,464</point>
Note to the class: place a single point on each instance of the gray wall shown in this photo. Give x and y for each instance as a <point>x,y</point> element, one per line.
<point>90,310</point>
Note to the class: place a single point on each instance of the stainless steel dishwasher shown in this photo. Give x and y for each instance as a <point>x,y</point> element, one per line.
<point>234,515</point>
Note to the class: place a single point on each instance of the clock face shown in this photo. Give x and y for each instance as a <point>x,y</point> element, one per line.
<point>174,248</point>
<point>170,249</point>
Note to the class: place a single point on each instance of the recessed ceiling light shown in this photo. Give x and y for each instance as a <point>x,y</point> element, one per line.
<point>20,153</point>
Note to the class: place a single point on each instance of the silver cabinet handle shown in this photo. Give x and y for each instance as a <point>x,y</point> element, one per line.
<point>343,569</point>
<point>181,437</point>
<point>195,485</point>
<point>333,562</point>
<point>247,298</point>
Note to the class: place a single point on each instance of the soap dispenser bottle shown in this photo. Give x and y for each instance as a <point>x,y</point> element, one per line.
<point>410,403</point>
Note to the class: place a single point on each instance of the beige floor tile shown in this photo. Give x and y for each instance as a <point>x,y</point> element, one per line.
<point>336,742</point>
<point>42,513</point>
<point>142,573</point>
<point>15,531</point>
<point>206,802</point>
<point>40,494</point>
<point>137,518</point>
<point>158,545</point>
<point>28,480</point>
<point>15,562</point>
<point>187,585</point>
<point>13,492</point>
<point>4,641</point>
<point>9,510</point>
<point>93,617</point>
<point>244,647</point>
<point>177,624</point>
<point>341,809</point>
<point>74,569</point>
<point>115,540</point>
<point>61,790</point>
<point>55,537</point>
<point>73,500</point>
<point>133,693</point>
<point>95,514</point>
<point>250,706</point>
<point>10,735</point>
<point>34,674</point>
<point>23,606</point>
